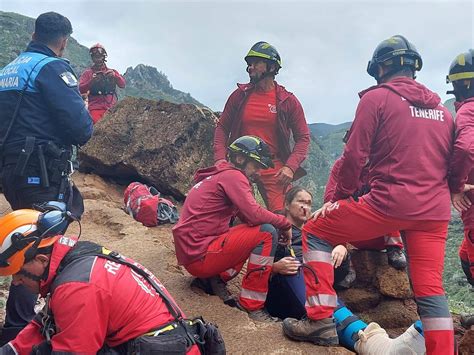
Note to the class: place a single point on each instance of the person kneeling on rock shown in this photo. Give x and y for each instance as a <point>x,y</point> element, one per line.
<point>97,300</point>
<point>286,296</point>
<point>214,252</point>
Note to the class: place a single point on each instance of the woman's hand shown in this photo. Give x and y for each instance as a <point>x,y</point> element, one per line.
<point>286,266</point>
<point>338,255</point>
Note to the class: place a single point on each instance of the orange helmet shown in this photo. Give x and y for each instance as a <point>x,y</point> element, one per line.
<point>98,48</point>
<point>22,232</point>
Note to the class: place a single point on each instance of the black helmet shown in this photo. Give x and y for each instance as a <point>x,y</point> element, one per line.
<point>266,51</point>
<point>254,148</point>
<point>462,67</point>
<point>396,51</point>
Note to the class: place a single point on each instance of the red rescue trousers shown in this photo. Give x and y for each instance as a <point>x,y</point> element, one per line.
<point>390,240</point>
<point>424,242</point>
<point>226,256</point>
<point>97,115</point>
<point>466,253</point>
<point>273,193</point>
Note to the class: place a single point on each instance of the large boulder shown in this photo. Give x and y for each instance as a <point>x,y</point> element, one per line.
<point>157,142</point>
<point>380,293</point>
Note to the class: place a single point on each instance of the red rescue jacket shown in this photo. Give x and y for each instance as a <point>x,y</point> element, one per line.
<point>94,302</point>
<point>462,161</point>
<point>221,193</point>
<point>406,135</point>
<point>291,121</point>
<point>99,102</point>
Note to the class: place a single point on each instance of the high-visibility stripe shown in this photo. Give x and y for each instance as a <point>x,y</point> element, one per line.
<point>437,324</point>
<point>317,255</point>
<point>253,295</point>
<point>321,300</point>
<point>231,272</point>
<point>260,259</point>
<point>459,76</point>
<point>393,240</point>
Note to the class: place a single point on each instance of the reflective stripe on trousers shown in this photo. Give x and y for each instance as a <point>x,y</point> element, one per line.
<point>255,283</point>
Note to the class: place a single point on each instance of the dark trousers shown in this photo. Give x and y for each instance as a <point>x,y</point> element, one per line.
<point>22,194</point>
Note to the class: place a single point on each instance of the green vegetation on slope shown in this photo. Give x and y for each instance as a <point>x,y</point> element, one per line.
<point>143,81</point>
<point>327,148</point>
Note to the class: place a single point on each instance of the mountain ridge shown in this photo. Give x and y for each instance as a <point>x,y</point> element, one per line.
<point>16,32</point>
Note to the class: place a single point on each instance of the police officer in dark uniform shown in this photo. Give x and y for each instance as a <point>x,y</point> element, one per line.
<point>42,115</point>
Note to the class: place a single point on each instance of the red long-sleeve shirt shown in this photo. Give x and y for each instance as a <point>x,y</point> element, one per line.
<point>290,121</point>
<point>406,135</point>
<point>462,161</point>
<point>221,193</point>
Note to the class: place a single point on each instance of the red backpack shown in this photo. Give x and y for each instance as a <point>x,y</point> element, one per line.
<point>145,205</point>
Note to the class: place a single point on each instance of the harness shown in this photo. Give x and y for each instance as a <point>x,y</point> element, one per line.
<point>103,85</point>
<point>192,331</point>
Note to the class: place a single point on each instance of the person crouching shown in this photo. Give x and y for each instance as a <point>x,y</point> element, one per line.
<point>213,251</point>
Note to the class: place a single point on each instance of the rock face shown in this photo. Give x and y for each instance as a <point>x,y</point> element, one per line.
<point>380,294</point>
<point>157,142</point>
<point>466,345</point>
<point>147,82</point>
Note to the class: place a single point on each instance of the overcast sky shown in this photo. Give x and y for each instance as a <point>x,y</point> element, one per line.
<point>324,45</point>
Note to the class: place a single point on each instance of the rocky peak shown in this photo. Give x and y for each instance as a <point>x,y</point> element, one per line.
<point>147,82</point>
<point>144,76</point>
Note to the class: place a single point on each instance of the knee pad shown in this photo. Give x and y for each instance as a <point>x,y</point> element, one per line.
<point>272,230</point>
<point>267,227</point>
<point>316,243</point>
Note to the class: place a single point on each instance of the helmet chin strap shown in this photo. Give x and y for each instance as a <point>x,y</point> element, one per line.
<point>241,166</point>
<point>30,276</point>
<point>263,76</point>
<point>462,91</point>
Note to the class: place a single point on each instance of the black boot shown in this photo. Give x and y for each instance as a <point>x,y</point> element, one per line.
<point>216,287</point>
<point>396,257</point>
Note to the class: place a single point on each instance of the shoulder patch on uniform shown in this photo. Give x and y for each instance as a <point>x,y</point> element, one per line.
<point>69,78</point>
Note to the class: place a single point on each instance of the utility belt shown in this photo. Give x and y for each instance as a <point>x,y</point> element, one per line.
<point>53,162</point>
<point>178,337</point>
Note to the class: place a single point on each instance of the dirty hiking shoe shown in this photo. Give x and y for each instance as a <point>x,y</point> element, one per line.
<point>216,287</point>
<point>260,315</point>
<point>396,258</point>
<point>319,332</point>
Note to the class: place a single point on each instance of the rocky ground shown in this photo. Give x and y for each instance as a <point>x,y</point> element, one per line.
<point>106,223</point>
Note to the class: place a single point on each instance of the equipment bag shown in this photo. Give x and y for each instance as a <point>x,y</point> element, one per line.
<point>146,206</point>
